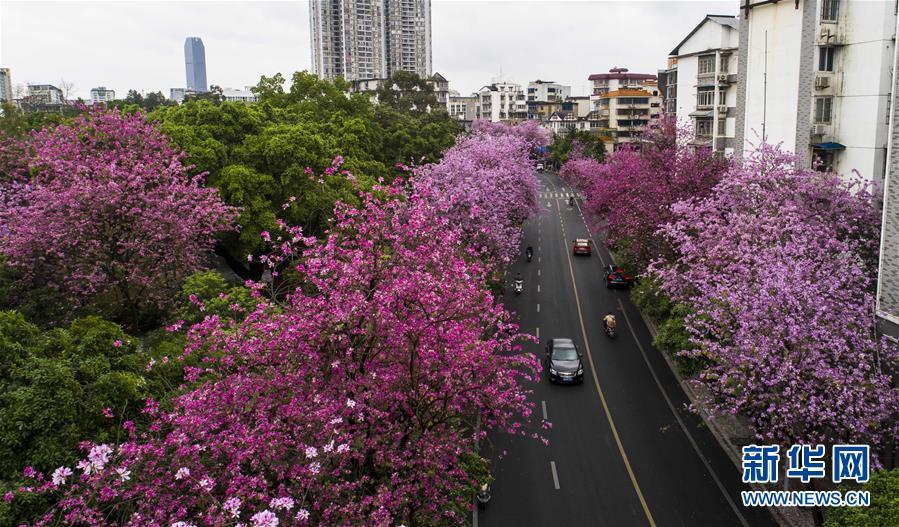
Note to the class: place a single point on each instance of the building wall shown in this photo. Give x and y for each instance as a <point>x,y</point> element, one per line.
<point>859,85</point>
<point>887,303</point>
<point>770,106</point>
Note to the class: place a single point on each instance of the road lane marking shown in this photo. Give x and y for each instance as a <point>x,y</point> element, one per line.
<point>538,272</point>
<point>552,465</point>
<point>705,462</point>
<point>543,403</point>
<point>538,334</point>
<point>538,288</point>
<point>602,398</point>
<point>538,307</point>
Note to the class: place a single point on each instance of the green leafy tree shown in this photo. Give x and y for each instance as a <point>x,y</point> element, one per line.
<point>262,156</point>
<point>884,509</point>
<point>407,92</point>
<point>65,385</point>
<point>577,143</point>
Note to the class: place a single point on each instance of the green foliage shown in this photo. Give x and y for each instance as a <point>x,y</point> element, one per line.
<point>576,142</point>
<point>55,385</point>
<point>41,305</point>
<point>216,295</point>
<point>16,123</point>
<point>257,154</point>
<point>134,101</point>
<point>407,92</point>
<point>672,336</point>
<point>884,509</point>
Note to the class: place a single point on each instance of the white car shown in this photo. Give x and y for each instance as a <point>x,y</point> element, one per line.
<point>539,167</point>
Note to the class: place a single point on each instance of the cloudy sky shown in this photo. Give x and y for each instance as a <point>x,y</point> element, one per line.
<point>124,45</point>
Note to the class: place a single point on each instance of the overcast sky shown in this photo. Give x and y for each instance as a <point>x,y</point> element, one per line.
<point>140,45</point>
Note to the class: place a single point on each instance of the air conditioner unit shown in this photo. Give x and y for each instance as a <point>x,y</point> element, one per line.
<point>822,81</point>
<point>722,108</point>
<point>722,77</point>
<point>820,129</point>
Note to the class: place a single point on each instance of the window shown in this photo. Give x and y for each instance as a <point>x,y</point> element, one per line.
<point>706,64</point>
<point>703,127</point>
<point>823,107</point>
<point>825,58</point>
<point>725,59</point>
<point>722,98</point>
<point>722,127</point>
<point>830,9</point>
<point>705,97</point>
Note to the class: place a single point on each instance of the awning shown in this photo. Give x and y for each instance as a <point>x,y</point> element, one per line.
<point>829,146</point>
<point>701,113</point>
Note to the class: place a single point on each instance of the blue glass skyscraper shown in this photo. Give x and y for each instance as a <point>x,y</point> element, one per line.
<point>195,64</point>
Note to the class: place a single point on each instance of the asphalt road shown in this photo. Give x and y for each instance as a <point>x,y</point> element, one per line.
<point>623,449</point>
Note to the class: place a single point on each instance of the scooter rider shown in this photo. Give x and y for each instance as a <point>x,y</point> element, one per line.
<point>571,201</point>
<point>609,321</point>
<point>529,253</point>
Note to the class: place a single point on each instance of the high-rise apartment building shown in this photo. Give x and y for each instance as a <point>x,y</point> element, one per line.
<point>815,76</point>
<point>369,39</point>
<point>5,86</point>
<point>195,64</point>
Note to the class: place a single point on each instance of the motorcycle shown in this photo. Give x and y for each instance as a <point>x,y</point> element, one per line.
<point>518,286</point>
<point>529,254</point>
<point>571,202</point>
<point>610,331</point>
<point>484,495</point>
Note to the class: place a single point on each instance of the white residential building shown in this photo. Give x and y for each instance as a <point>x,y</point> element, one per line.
<point>463,108</point>
<point>244,95</point>
<point>547,91</point>
<point>815,76</point>
<point>701,83</point>
<point>101,94</point>
<point>44,94</point>
<point>502,101</point>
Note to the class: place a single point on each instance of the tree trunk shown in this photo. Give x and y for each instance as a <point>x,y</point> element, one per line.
<point>253,273</point>
<point>817,512</point>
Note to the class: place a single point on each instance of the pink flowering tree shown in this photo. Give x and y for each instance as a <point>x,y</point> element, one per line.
<point>630,194</point>
<point>530,132</point>
<point>487,185</point>
<point>778,265</point>
<point>353,403</point>
<point>109,214</point>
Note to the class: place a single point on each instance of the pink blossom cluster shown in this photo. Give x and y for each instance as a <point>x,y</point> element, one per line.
<point>777,264</point>
<point>630,195</point>
<point>109,209</point>
<point>530,132</point>
<point>486,184</point>
<point>354,402</point>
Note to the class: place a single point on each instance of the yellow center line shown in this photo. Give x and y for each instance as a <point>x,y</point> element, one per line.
<point>602,397</point>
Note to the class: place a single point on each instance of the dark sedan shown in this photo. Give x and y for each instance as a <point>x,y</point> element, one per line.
<point>563,361</point>
<point>615,277</point>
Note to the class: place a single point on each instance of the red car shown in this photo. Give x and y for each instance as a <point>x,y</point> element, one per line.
<point>616,277</point>
<point>582,246</point>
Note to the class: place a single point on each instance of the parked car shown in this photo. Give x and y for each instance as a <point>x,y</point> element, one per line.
<point>563,361</point>
<point>539,167</point>
<point>582,246</point>
<point>616,277</point>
